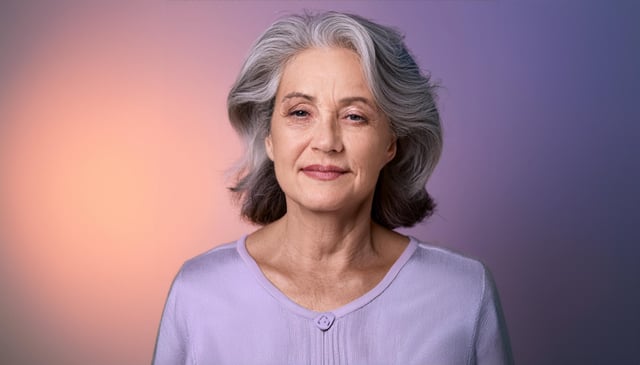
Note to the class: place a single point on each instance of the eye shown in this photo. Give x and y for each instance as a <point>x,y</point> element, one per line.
<point>299,113</point>
<point>356,118</point>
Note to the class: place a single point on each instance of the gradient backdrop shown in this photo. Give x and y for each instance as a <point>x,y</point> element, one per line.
<point>114,145</point>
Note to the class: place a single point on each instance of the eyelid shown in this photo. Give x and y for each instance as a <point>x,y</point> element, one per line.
<point>298,110</point>
<point>290,106</point>
<point>359,117</point>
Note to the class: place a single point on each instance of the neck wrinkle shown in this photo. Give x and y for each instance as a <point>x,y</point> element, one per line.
<point>326,243</point>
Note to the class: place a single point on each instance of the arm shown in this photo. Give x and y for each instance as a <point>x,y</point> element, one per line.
<point>491,342</point>
<point>172,341</point>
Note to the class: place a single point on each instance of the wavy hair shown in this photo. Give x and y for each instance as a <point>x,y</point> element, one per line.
<point>403,93</point>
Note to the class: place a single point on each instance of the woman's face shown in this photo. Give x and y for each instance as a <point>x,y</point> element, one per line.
<point>328,140</point>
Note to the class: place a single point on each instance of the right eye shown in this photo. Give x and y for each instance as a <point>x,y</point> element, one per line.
<point>299,113</point>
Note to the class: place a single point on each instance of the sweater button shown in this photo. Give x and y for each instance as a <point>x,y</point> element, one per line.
<point>324,321</point>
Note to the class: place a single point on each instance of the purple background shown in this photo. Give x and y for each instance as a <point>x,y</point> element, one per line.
<point>539,177</point>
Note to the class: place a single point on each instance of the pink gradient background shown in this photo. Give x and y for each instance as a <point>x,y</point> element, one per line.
<point>114,145</point>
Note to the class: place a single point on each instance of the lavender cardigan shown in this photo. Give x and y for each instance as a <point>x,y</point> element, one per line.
<point>432,307</point>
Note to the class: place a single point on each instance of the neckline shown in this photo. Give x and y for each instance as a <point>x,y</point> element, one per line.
<point>357,303</point>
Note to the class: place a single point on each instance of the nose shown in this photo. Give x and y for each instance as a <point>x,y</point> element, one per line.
<point>327,136</point>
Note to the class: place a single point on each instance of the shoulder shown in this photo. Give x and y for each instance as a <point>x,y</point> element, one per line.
<point>217,266</point>
<point>447,272</point>
<point>462,292</point>
<point>440,257</point>
<point>219,255</point>
<point>432,257</point>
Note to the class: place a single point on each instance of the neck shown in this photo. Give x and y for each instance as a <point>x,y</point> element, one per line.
<point>326,241</point>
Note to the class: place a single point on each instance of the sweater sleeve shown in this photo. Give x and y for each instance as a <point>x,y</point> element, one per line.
<point>491,340</point>
<point>172,342</point>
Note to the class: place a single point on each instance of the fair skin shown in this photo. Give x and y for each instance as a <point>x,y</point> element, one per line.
<point>328,141</point>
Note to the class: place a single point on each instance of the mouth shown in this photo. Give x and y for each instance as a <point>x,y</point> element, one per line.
<point>324,172</point>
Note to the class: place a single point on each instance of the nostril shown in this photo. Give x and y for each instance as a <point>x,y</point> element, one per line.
<point>327,137</point>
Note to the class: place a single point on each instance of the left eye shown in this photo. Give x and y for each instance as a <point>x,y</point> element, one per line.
<point>356,118</point>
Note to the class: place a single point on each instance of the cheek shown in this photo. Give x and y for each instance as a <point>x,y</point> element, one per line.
<point>386,150</point>
<point>285,148</point>
<point>371,160</point>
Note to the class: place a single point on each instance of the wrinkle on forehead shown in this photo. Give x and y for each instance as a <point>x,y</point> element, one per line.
<point>348,84</point>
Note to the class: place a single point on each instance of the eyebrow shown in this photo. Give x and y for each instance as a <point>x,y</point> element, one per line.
<point>361,99</point>
<point>347,100</point>
<point>297,94</point>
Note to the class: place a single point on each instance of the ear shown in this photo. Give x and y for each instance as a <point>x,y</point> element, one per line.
<point>268,146</point>
<point>391,149</point>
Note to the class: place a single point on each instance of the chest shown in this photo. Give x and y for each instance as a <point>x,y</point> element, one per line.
<point>390,333</point>
<point>322,293</point>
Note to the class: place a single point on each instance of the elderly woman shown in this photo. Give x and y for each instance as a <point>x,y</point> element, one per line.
<point>342,133</point>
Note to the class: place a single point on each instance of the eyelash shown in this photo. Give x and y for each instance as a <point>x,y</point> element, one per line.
<point>299,113</point>
<point>359,118</point>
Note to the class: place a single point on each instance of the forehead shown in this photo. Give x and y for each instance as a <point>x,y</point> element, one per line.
<point>320,69</point>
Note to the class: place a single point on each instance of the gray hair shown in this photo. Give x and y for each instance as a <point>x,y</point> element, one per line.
<point>403,93</point>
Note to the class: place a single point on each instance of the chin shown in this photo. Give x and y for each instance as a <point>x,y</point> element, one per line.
<point>327,203</point>
<point>323,207</point>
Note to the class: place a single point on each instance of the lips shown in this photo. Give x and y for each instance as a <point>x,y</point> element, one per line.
<point>324,172</point>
